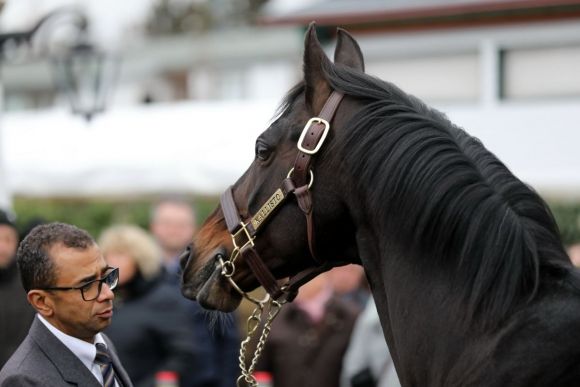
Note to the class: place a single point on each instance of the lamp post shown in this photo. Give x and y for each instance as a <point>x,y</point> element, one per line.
<point>85,75</point>
<point>81,72</point>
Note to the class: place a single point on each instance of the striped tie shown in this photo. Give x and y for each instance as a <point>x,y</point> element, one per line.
<point>103,359</point>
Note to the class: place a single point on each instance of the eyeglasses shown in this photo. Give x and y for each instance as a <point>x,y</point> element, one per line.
<point>92,289</point>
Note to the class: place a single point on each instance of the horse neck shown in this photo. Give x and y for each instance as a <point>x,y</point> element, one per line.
<point>415,303</point>
<point>398,277</point>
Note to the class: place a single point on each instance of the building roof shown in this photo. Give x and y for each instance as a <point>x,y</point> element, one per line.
<point>419,14</point>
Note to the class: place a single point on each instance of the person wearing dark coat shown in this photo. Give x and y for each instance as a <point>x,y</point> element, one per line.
<point>43,358</point>
<point>216,343</point>
<point>16,313</point>
<point>70,286</point>
<point>151,329</point>
<point>309,338</point>
<point>216,338</point>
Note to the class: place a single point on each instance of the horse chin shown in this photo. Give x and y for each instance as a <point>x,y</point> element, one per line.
<point>216,293</point>
<point>211,289</point>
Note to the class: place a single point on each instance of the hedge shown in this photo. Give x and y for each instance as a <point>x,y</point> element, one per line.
<point>96,214</point>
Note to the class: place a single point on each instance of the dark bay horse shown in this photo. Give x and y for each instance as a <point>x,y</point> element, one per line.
<point>470,278</point>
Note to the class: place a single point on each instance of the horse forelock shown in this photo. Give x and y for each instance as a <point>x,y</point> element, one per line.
<point>449,197</point>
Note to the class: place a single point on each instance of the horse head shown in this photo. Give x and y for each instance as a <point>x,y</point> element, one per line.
<point>287,242</point>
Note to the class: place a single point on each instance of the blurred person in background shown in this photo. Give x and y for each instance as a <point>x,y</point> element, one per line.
<point>173,225</point>
<point>349,283</point>
<point>152,325</point>
<point>16,314</point>
<point>309,338</point>
<point>574,253</point>
<point>216,337</point>
<point>367,362</point>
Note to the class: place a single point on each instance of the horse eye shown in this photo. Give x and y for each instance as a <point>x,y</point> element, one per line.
<point>262,151</point>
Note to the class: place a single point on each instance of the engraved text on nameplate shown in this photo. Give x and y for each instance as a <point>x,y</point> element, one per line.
<point>267,208</point>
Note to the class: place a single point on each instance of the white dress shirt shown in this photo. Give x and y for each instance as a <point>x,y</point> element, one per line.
<point>86,352</point>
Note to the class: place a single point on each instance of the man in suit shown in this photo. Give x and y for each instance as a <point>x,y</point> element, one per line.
<point>70,286</point>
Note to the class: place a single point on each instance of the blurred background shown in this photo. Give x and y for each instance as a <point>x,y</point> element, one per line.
<point>107,105</point>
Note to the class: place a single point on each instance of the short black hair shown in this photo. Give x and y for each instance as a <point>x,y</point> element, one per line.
<point>35,264</point>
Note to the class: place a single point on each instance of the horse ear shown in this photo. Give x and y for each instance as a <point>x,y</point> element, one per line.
<point>317,87</point>
<point>348,52</point>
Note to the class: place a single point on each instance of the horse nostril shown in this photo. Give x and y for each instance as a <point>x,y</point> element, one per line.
<point>185,255</point>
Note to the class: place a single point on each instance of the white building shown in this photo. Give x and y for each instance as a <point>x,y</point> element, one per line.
<point>508,72</point>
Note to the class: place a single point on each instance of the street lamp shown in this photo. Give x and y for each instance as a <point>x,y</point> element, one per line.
<point>82,72</point>
<point>85,75</point>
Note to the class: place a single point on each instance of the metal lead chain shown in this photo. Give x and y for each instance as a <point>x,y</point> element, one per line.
<point>272,307</point>
<point>247,372</point>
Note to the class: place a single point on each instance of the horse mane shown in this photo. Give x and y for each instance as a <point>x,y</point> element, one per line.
<point>447,197</point>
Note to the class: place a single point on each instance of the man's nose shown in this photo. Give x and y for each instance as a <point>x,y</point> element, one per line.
<point>106,293</point>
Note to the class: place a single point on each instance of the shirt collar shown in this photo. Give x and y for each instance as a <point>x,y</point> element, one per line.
<point>86,352</point>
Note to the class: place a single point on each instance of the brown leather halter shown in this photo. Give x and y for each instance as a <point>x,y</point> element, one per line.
<point>298,182</point>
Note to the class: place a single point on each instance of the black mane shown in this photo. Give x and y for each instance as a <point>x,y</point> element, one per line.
<point>439,188</point>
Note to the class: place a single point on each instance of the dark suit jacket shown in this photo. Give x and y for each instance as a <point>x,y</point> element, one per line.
<point>43,360</point>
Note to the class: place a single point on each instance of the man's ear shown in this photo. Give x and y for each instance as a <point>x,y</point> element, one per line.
<point>42,302</point>
<point>348,52</point>
<point>317,87</point>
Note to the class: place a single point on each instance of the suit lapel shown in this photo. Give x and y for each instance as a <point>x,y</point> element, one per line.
<point>67,363</point>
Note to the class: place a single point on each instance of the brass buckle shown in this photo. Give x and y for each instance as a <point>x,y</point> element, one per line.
<point>249,238</point>
<point>305,130</point>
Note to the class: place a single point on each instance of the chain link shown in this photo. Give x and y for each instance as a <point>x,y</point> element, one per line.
<point>247,372</point>
<point>253,323</point>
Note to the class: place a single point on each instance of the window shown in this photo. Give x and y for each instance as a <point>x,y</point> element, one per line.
<point>432,78</point>
<point>541,72</point>
<point>246,80</point>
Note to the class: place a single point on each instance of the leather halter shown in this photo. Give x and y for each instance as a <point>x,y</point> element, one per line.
<point>298,182</point>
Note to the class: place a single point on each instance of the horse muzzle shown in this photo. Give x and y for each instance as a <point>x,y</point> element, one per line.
<point>206,285</point>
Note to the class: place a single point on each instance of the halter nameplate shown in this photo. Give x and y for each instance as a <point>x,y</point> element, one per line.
<point>268,208</point>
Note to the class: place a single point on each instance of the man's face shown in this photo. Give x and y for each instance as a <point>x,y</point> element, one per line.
<point>8,245</point>
<point>73,315</point>
<point>173,226</point>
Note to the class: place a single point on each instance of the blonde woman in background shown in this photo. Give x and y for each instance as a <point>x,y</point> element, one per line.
<point>151,328</point>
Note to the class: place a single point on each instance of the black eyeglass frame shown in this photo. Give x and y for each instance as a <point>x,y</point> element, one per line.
<point>111,279</point>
